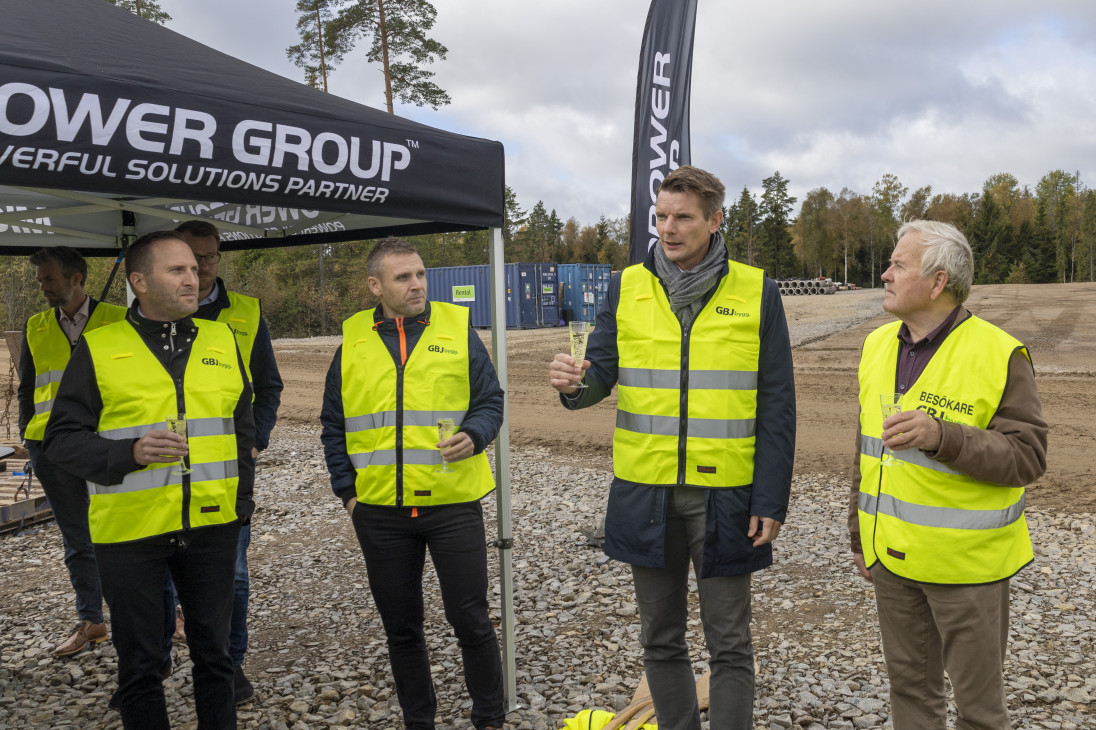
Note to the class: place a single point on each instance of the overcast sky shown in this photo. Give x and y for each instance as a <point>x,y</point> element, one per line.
<point>832,94</point>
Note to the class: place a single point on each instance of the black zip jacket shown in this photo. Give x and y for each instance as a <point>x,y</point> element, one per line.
<point>71,440</point>
<point>484,406</point>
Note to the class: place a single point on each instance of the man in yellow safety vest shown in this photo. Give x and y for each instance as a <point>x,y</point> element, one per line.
<point>698,348</point>
<point>162,504</point>
<point>937,508</point>
<point>403,366</point>
<point>48,341</point>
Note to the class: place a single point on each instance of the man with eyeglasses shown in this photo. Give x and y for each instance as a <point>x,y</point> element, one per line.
<point>243,315</point>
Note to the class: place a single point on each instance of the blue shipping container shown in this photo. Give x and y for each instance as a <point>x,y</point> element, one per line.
<point>469,286</point>
<point>528,305</point>
<point>583,290</point>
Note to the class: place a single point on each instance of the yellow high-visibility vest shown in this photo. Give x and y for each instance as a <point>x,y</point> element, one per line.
<point>686,414</point>
<point>920,518</point>
<point>138,394</point>
<point>391,413</point>
<point>50,348</point>
<point>242,316</point>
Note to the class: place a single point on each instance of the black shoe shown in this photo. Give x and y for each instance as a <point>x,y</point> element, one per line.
<point>241,687</point>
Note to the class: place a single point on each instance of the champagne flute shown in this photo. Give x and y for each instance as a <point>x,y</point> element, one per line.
<point>580,332</point>
<point>445,431</point>
<point>891,405</point>
<point>178,425</point>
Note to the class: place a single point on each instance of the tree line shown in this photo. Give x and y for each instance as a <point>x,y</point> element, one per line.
<point>1019,235</point>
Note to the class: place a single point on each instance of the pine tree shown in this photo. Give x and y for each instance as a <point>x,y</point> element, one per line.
<point>396,32</point>
<point>778,257</point>
<point>313,17</point>
<point>147,9</point>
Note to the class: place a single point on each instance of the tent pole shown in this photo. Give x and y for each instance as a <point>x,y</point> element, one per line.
<point>502,468</point>
<point>129,234</point>
<point>113,271</point>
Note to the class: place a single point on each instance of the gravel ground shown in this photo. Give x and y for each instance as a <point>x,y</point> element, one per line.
<point>318,657</point>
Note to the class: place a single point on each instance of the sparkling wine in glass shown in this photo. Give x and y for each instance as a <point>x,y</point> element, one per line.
<point>580,333</point>
<point>445,431</point>
<point>178,425</point>
<point>891,405</point>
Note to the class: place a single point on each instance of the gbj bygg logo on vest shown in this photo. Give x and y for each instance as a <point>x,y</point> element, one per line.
<point>216,362</point>
<point>730,312</point>
<point>442,350</point>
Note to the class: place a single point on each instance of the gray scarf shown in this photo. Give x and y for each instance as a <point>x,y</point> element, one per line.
<point>687,288</point>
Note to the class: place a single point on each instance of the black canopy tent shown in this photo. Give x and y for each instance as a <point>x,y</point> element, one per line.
<point>112,126</point>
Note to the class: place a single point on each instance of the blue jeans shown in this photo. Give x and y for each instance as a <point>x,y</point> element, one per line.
<point>662,598</point>
<point>134,576</point>
<point>237,637</point>
<point>394,544</point>
<point>68,498</point>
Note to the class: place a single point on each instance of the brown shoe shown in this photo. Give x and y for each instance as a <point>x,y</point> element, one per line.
<point>179,637</point>
<point>85,632</point>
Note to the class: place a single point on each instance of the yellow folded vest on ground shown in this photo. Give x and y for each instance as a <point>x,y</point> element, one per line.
<point>596,720</point>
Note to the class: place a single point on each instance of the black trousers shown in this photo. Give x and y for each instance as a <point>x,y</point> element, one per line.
<point>202,564</point>
<point>394,543</point>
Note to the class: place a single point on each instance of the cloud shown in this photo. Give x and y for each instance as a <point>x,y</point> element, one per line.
<point>832,94</point>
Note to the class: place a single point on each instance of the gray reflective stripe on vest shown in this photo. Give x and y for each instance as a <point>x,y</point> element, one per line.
<point>50,376</point>
<point>44,407</point>
<point>698,379</point>
<point>925,516</point>
<point>210,427</point>
<point>710,428</point>
<point>139,481</point>
<point>132,432</point>
<point>387,419</point>
<point>871,446</point>
<point>153,478</point>
<point>194,427</point>
<point>387,457</point>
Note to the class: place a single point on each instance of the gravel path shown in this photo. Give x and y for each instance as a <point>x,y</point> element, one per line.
<point>318,657</point>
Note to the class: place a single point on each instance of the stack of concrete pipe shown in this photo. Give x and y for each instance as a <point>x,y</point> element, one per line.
<point>799,287</point>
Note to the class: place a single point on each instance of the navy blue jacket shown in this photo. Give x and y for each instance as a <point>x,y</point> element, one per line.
<point>266,381</point>
<point>635,521</point>
<point>482,423</point>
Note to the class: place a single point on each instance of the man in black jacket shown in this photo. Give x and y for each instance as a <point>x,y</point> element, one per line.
<point>244,317</point>
<point>401,367</point>
<point>162,504</point>
<point>49,338</point>
<point>698,348</point>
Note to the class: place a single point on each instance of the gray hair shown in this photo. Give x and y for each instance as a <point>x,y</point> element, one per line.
<point>947,250</point>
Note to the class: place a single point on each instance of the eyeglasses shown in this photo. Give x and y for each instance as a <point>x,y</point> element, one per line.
<point>210,259</point>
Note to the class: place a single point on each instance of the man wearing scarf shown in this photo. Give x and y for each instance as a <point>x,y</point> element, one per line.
<point>702,453</point>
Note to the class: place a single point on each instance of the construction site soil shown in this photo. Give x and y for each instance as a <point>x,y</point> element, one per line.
<point>317,654</point>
